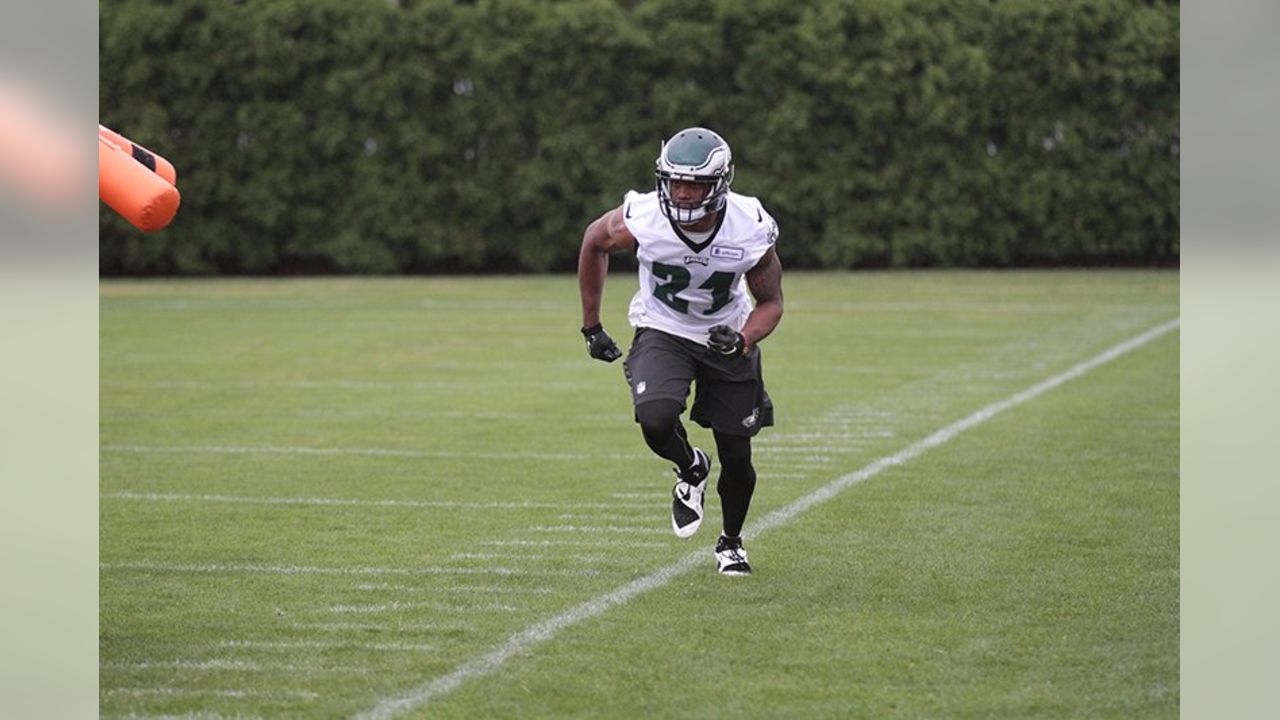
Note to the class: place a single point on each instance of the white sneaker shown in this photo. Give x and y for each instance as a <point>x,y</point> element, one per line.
<point>731,558</point>
<point>686,496</point>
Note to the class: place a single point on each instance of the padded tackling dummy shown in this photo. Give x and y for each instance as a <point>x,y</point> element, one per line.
<point>131,188</point>
<point>155,163</point>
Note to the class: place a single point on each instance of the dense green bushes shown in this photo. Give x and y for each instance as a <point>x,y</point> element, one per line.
<point>374,137</point>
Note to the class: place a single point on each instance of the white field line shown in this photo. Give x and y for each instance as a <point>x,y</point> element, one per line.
<point>321,501</point>
<point>348,413</point>
<point>452,384</point>
<point>799,461</point>
<point>361,452</point>
<point>397,606</point>
<point>825,436</point>
<point>234,665</point>
<point>599,529</point>
<point>535,557</point>
<point>521,642</point>
<point>478,589</point>
<point>639,519</point>
<point>824,449</point>
<point>178,692</point>
<point>393,626</point>
<point>185,665</point>
<point>191,715</point>
<point>214,568</point>
<point>323,644</point>
<point>565,543</point>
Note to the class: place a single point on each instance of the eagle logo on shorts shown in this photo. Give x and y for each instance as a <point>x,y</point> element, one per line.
<point>751,419</point>
<point>640,388</point>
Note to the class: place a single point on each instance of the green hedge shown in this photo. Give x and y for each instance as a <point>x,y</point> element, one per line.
<point>366,136</point>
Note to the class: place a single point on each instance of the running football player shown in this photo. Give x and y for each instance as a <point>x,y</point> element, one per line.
<point>710,291</point>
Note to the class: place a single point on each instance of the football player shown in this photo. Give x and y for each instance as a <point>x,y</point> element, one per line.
<point>710,291</point>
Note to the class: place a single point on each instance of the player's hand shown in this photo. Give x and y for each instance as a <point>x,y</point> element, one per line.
<point>599,345</point>
<point>727,341</point>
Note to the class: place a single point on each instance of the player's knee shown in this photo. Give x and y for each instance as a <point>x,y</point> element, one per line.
<point>658,417</point>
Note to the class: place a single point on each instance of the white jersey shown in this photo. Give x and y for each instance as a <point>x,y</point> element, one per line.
<point>686,286</point>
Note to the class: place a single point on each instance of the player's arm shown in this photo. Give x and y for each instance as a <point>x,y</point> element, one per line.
<point>607,234</point>
<point>765,282</point>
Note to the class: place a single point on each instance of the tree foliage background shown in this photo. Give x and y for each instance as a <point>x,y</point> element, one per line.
<point>367,136</point>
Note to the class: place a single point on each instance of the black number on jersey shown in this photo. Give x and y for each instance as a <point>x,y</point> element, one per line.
<point>720,284</point>
<point>677,278</point>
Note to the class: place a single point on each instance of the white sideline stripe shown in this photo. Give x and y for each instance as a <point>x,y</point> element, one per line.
<point>363,452</point>
<point>547,629</point>
<point>313,570</point>
<point>250,500</point>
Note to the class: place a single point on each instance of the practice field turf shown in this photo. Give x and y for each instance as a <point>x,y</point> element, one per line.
<point>420,498</point>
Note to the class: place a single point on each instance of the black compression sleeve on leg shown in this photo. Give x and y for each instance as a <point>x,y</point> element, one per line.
<point>737,480</point>
<point>660,422</point>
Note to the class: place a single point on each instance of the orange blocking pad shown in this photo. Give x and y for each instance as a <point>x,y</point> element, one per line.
<point>126,185</point>
<point>151,160</point>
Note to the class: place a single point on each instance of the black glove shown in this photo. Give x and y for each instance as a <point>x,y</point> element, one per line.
<point>727,341</point>
<point>599,345</point>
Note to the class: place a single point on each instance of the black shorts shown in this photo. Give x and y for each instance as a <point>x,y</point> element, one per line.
<point>729,398</point>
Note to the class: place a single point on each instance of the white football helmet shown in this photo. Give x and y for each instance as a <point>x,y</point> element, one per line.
<point>696,155</point>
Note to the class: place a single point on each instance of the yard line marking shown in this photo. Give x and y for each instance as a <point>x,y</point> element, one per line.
<point>190,715</point>
<point>452,384</point>
<point>391,626</point>
<point>313,570</point>
<point>345,413</point>
<point>480,589</point>
<point>238,665</point>
<point>363,452</point>
<point>598,529</point>
<point>396,606</point>
<point>251,500</point>
<point>568,543</point>
<point>645,518</point>
<point>186,665</point>
<point>543,631</point>
<point>177,692</point>
<point>536,557</point>
<point>322,644</point>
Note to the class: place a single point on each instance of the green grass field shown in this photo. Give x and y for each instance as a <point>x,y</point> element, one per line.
<point>319,497</point>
